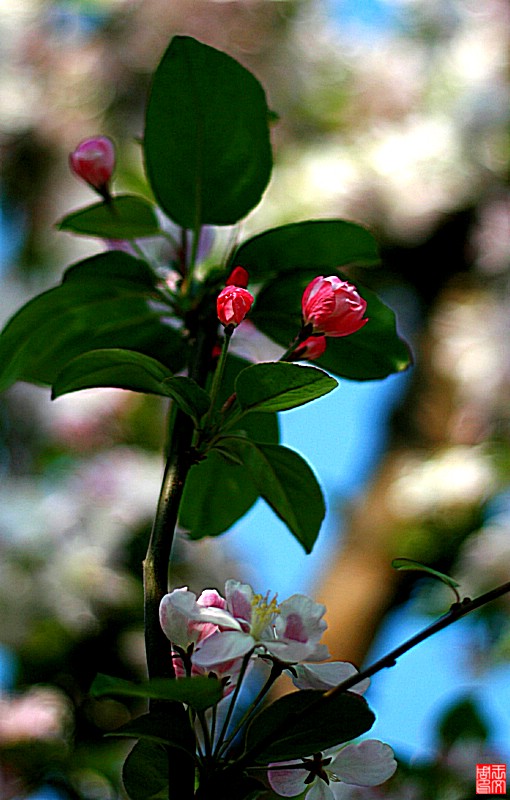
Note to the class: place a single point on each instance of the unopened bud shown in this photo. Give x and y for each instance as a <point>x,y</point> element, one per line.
<point>313,347</point>
<point>333,307</point>
<point>94,161</point>
<point>238,277</point>
<point>233,304</point>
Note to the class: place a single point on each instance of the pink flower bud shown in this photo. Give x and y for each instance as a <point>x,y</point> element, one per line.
<point>238,277</point>
<point>233,304</point>
<point>94,162</point>
<point>333,307</point>
<point>310,349</point>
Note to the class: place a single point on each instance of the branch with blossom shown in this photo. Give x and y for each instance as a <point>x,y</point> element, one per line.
<point>121,320</point>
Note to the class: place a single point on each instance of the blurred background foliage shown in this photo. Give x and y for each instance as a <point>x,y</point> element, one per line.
<point>393,113</point>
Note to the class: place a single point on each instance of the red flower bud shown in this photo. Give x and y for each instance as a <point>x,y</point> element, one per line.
<point>238,277</point>
<point>94,162</point>
<point>233,304</point>
<point>310,349</point>
<point>333,307</point>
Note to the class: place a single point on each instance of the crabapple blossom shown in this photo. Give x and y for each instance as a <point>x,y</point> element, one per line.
<point>94,161</point>
<point>333,307</point>
<point>325,775</point>
<point>290,631</point>
<point>233,304</point>
<point>186,620</point>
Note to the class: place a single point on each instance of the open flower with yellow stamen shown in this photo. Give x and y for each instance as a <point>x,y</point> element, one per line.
<point>289,631</point>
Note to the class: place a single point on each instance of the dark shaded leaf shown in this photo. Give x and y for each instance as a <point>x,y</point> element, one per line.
<point>302,723</point>
<point>149,766</point>
<point>107,301</point>
<point>218,492</point>
<point>207,147</point>
<point>145,771</point>
<point>125,369</point>
<point>198,692</point>
<point>286,482</point>
<point>318,245</point>
<point>126,217</point>
<point>172,728</point>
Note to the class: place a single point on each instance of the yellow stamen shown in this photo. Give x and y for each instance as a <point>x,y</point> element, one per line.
<point>263,612</point>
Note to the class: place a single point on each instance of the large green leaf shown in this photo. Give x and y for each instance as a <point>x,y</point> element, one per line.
<point>278,386</point>
<point>375,351</point>
<point>319,245</point>
<point>125,369</point>
<point>303,723</point>
<point>286,482</point>
<point>198,692</point>
<point>207,147</point>
<point>218,492</point>
<point>125,217</point>
<point>107,301</point>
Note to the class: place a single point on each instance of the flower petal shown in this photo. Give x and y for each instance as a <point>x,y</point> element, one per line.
<point>319,790</point>
<point>239,599</point>
<point>222,646</point>
<point>287,782</point>
<point>368,763</point>
<point>300,623</point>
<point>326,676</point>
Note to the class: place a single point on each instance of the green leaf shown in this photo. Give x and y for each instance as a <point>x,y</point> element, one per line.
<point>107,301</point>
<point>217,492</point>
<point>126,369</point>
<point>145,771</point>
<point>409,564</point>
<point>198,692</point>
<point>319,245</point>
<point>286,482</point>
<point>207,146</point>
<point>149,766</point>
<point>462,722</point>
<point>171,728</point>
<point>279,386</point>
<point>305,722</point>
<point>373,352</point>
<point>216,495</point>
<point>126,217</point>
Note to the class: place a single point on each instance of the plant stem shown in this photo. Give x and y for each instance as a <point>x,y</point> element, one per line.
<point>155,566</point>
<point>230,710</point>
<point>218,375</point>
<point>456,611</point>
<point>179,462</point>
<point>275,673</point>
